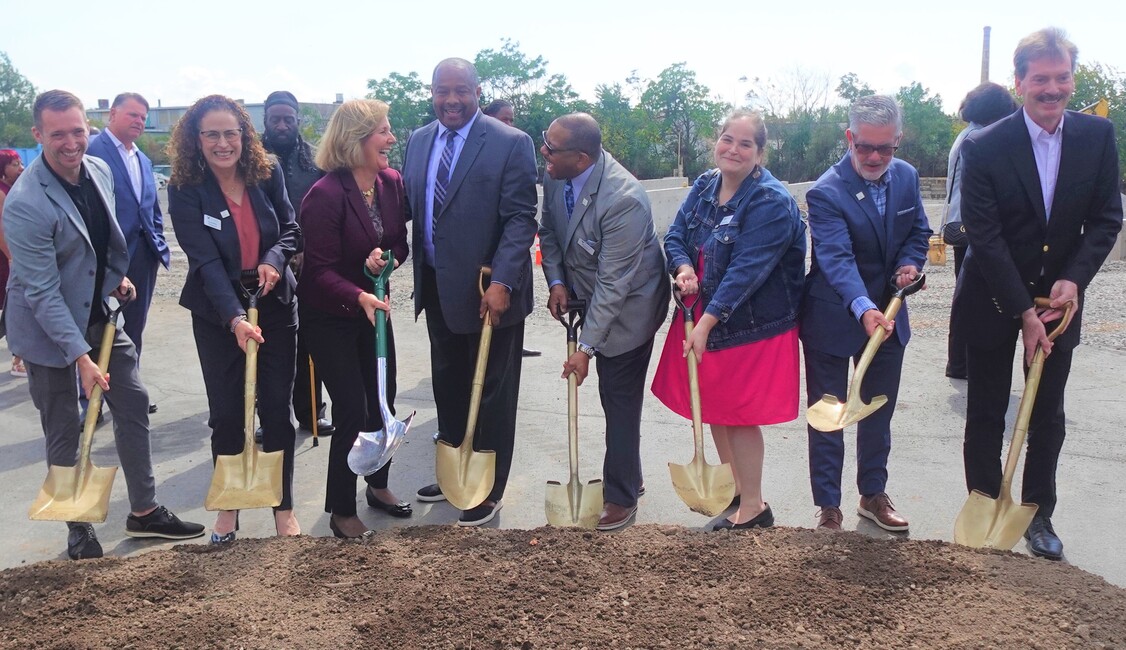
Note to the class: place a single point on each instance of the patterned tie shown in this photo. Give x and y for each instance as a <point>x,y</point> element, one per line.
<point>443,176</point>
<point>569,198</point>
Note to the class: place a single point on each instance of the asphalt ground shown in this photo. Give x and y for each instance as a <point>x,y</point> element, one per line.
<point>925,468</point>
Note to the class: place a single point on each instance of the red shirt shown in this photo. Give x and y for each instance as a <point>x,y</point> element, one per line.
<point>249,235</point>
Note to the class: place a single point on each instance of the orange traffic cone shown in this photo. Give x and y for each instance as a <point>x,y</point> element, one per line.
<point>539,255</point>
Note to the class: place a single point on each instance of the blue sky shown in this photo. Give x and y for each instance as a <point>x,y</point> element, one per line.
<point>175,52</point>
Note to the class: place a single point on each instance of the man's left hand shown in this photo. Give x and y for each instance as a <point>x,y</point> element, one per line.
<point>905,275</point>
<point>579,364</point>
<point>495,302</point>
<point>125,291</point>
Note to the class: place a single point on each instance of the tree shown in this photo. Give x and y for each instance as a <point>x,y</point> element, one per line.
<point>17,98</point>
<point>686,115</point>
<point>927,131</point>
<point>410,106</point>
<point>627,133</point>
<point>1093,82</point>
<point>851,88</point>
<point>537,97</point>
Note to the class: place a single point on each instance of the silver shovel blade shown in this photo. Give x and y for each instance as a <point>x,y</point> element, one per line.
<point>374,449</point>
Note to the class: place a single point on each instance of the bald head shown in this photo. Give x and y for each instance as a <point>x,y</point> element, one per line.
<point>456,66</point>
<point>581,133</point>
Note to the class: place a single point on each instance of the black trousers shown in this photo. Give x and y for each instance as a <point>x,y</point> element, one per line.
<point>621,387</point>
<point>452,360</point>
<point>344,355</point>
<point>988,391</point>
<point>955,344</point>
<point>224,374</point>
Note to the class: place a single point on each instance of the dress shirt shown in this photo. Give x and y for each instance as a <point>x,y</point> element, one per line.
<point>1046,149</point>
<point>879,192</point>
<point>432,174</point>
<point>132,162</point>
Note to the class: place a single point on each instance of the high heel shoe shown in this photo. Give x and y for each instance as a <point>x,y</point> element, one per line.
<point>367,534</point>
<point>401,509</point>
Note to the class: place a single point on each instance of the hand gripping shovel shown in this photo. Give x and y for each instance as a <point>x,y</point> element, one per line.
<point>81,493</point>
<point>374,449</point>
<point>249,479</point>
<point>999,523</point>
<point>830,414</point>
<point>466,476</point>
<point>706,489</point>
<point>573,504</point>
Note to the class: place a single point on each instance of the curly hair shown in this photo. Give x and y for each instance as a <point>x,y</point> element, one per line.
<point>188,164</point>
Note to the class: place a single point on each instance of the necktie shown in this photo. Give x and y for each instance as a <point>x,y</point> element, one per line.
<point>569,197</point>
<point>442,179</point>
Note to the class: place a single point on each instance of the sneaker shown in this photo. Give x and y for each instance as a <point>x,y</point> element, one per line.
<point>482,514</point>
<point>161,523</point>
<point>81,542</point>
<point>219,540</point>
<point>430,493</point>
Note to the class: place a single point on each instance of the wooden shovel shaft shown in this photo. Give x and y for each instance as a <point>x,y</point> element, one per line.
<point>95,403</point>
<point>478,383</point>
<point>250,391</point>
<point>694,390</point>
<point>573,418</point>
<point>873,346</point>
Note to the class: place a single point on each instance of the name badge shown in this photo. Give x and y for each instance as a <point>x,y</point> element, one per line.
<point>224,214</point>
<point>726,220</point>
<point>212,222</point>
<point>583,244</point>
<point>860,196</point>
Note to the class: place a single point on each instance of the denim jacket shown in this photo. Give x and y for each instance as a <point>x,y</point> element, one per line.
<point>754,256</point>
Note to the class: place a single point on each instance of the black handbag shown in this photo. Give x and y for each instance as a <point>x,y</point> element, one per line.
<point>954,233</point>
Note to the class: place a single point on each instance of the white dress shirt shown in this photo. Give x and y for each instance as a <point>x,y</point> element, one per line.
<point>132,162</point>
<point>1046,149</point>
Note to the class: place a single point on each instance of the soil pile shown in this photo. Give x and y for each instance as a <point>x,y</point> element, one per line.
<point>646,587</point>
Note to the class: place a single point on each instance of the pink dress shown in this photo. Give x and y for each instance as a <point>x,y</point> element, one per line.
<point>751,384</point>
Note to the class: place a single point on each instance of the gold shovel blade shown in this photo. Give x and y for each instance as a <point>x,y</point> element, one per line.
<point>830,414</point>
<point>985,522</point>
<point>62,498</point>
<point>238,484</point>
<point>465,476</point>
<point>574,504</point>
<point>706,489</point>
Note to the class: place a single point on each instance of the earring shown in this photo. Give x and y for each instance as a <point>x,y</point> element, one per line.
<point>202,165</point>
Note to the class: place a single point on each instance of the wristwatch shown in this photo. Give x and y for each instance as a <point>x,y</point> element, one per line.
<point>586,349</point>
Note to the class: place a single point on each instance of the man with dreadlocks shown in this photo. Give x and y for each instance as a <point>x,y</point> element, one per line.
<point>282,137</point>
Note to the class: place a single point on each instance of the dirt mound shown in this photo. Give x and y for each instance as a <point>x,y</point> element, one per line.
<point>646,587</point>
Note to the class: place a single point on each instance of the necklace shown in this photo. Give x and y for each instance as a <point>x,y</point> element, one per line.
<point>369,194</point>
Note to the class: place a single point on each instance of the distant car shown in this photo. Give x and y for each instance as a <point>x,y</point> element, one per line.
<point>161,180</point>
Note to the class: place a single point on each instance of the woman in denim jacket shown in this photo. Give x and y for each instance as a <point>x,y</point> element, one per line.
<point>738,244</point>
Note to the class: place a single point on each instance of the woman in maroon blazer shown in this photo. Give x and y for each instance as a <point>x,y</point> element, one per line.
<point>349,218</point>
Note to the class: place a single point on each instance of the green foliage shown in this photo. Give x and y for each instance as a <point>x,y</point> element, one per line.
<point>410,106</point>
<point>17,97</point>
<point>312,124</point>
<point>153,145</point>
<point>686,115</point>
<point>927,132</point>
<point>1094,82</point>
<point>627,132</point>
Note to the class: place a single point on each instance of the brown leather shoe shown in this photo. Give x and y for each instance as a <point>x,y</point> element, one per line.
<point>615,516</point>
<point>829,518</point>
<point>879,509</point>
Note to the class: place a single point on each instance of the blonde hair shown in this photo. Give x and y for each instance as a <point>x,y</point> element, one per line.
<point>341,146</point>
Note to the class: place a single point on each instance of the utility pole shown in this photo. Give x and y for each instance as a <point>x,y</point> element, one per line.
<point>985,56</point>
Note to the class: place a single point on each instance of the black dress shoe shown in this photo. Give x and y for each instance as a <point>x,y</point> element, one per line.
<point>526,352</point>
<point>81,542</point>
<point>764,519</point>
<point>1042,539</point>
<point>324,427</point>
<point>152,409</point>
<point>400,509</point>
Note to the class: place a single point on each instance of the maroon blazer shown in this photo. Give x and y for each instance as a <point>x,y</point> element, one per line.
<point>339,236</point>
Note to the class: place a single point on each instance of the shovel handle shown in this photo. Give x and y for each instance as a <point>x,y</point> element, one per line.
<point>1046,303</point>
<point>482,363</point>
<point>95,403</point>
<point>693,382</point>
<point>379,288</point>
<point>576,316</point>
<point>250,385</point>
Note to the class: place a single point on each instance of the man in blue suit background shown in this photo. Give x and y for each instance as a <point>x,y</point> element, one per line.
<point>138,210</point>
<point>867,224</point>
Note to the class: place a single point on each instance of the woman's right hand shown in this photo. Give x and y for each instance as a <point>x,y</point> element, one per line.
<point>375,261</point>
<point>686,280</point>
<point>369,303</point>
<point>244,332</point>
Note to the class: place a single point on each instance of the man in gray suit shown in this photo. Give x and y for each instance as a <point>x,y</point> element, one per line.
<point>68,257</point>
<point>599,245</point>
<point>471,191</point>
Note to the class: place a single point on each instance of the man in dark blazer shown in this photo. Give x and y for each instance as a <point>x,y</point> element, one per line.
<point>599,245</point>
<point>68,257</point>
<point>1042,208</point>
<point>471,191</point>
<point>138,210</point>
<point>867,225</point>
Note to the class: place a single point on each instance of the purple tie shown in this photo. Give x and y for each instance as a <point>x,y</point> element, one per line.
<point>442,179</point>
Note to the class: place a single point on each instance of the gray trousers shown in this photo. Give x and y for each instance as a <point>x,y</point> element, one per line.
<point>55,393</point>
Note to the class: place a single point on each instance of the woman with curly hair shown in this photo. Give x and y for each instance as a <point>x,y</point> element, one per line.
<point>234,222</point>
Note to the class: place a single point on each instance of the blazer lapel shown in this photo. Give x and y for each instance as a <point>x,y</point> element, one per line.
<point>1073,164</point>
<point>214,205</point>
<point>113,159</point>
<point>863,197</point>
<point>1024,161</point>
<point>584,201</point>
<point>473,145</point>
<point>354,199</point>
<point>59,196</point>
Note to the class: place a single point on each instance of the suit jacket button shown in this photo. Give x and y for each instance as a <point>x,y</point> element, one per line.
<point>1045,248</point>
<point>91,273</point>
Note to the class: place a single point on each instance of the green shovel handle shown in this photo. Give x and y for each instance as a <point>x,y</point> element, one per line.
<point>379,283</point>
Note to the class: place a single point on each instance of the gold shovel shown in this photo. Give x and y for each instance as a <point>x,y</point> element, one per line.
<point>251,478</point>
<point>573,504</point>
<point>830,414</point>
<point>706,489</point>
<point>81,493</point>
<point>985,522</point>
<point>465,476</point>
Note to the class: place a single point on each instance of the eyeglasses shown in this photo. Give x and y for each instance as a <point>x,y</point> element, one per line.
<point>884,150</point>
<point>230,135</point>
<point>550,149</point>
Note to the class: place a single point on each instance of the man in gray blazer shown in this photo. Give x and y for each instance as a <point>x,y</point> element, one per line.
<point>599,245</point>
<point>68,257</point>
<point>471,191</point>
